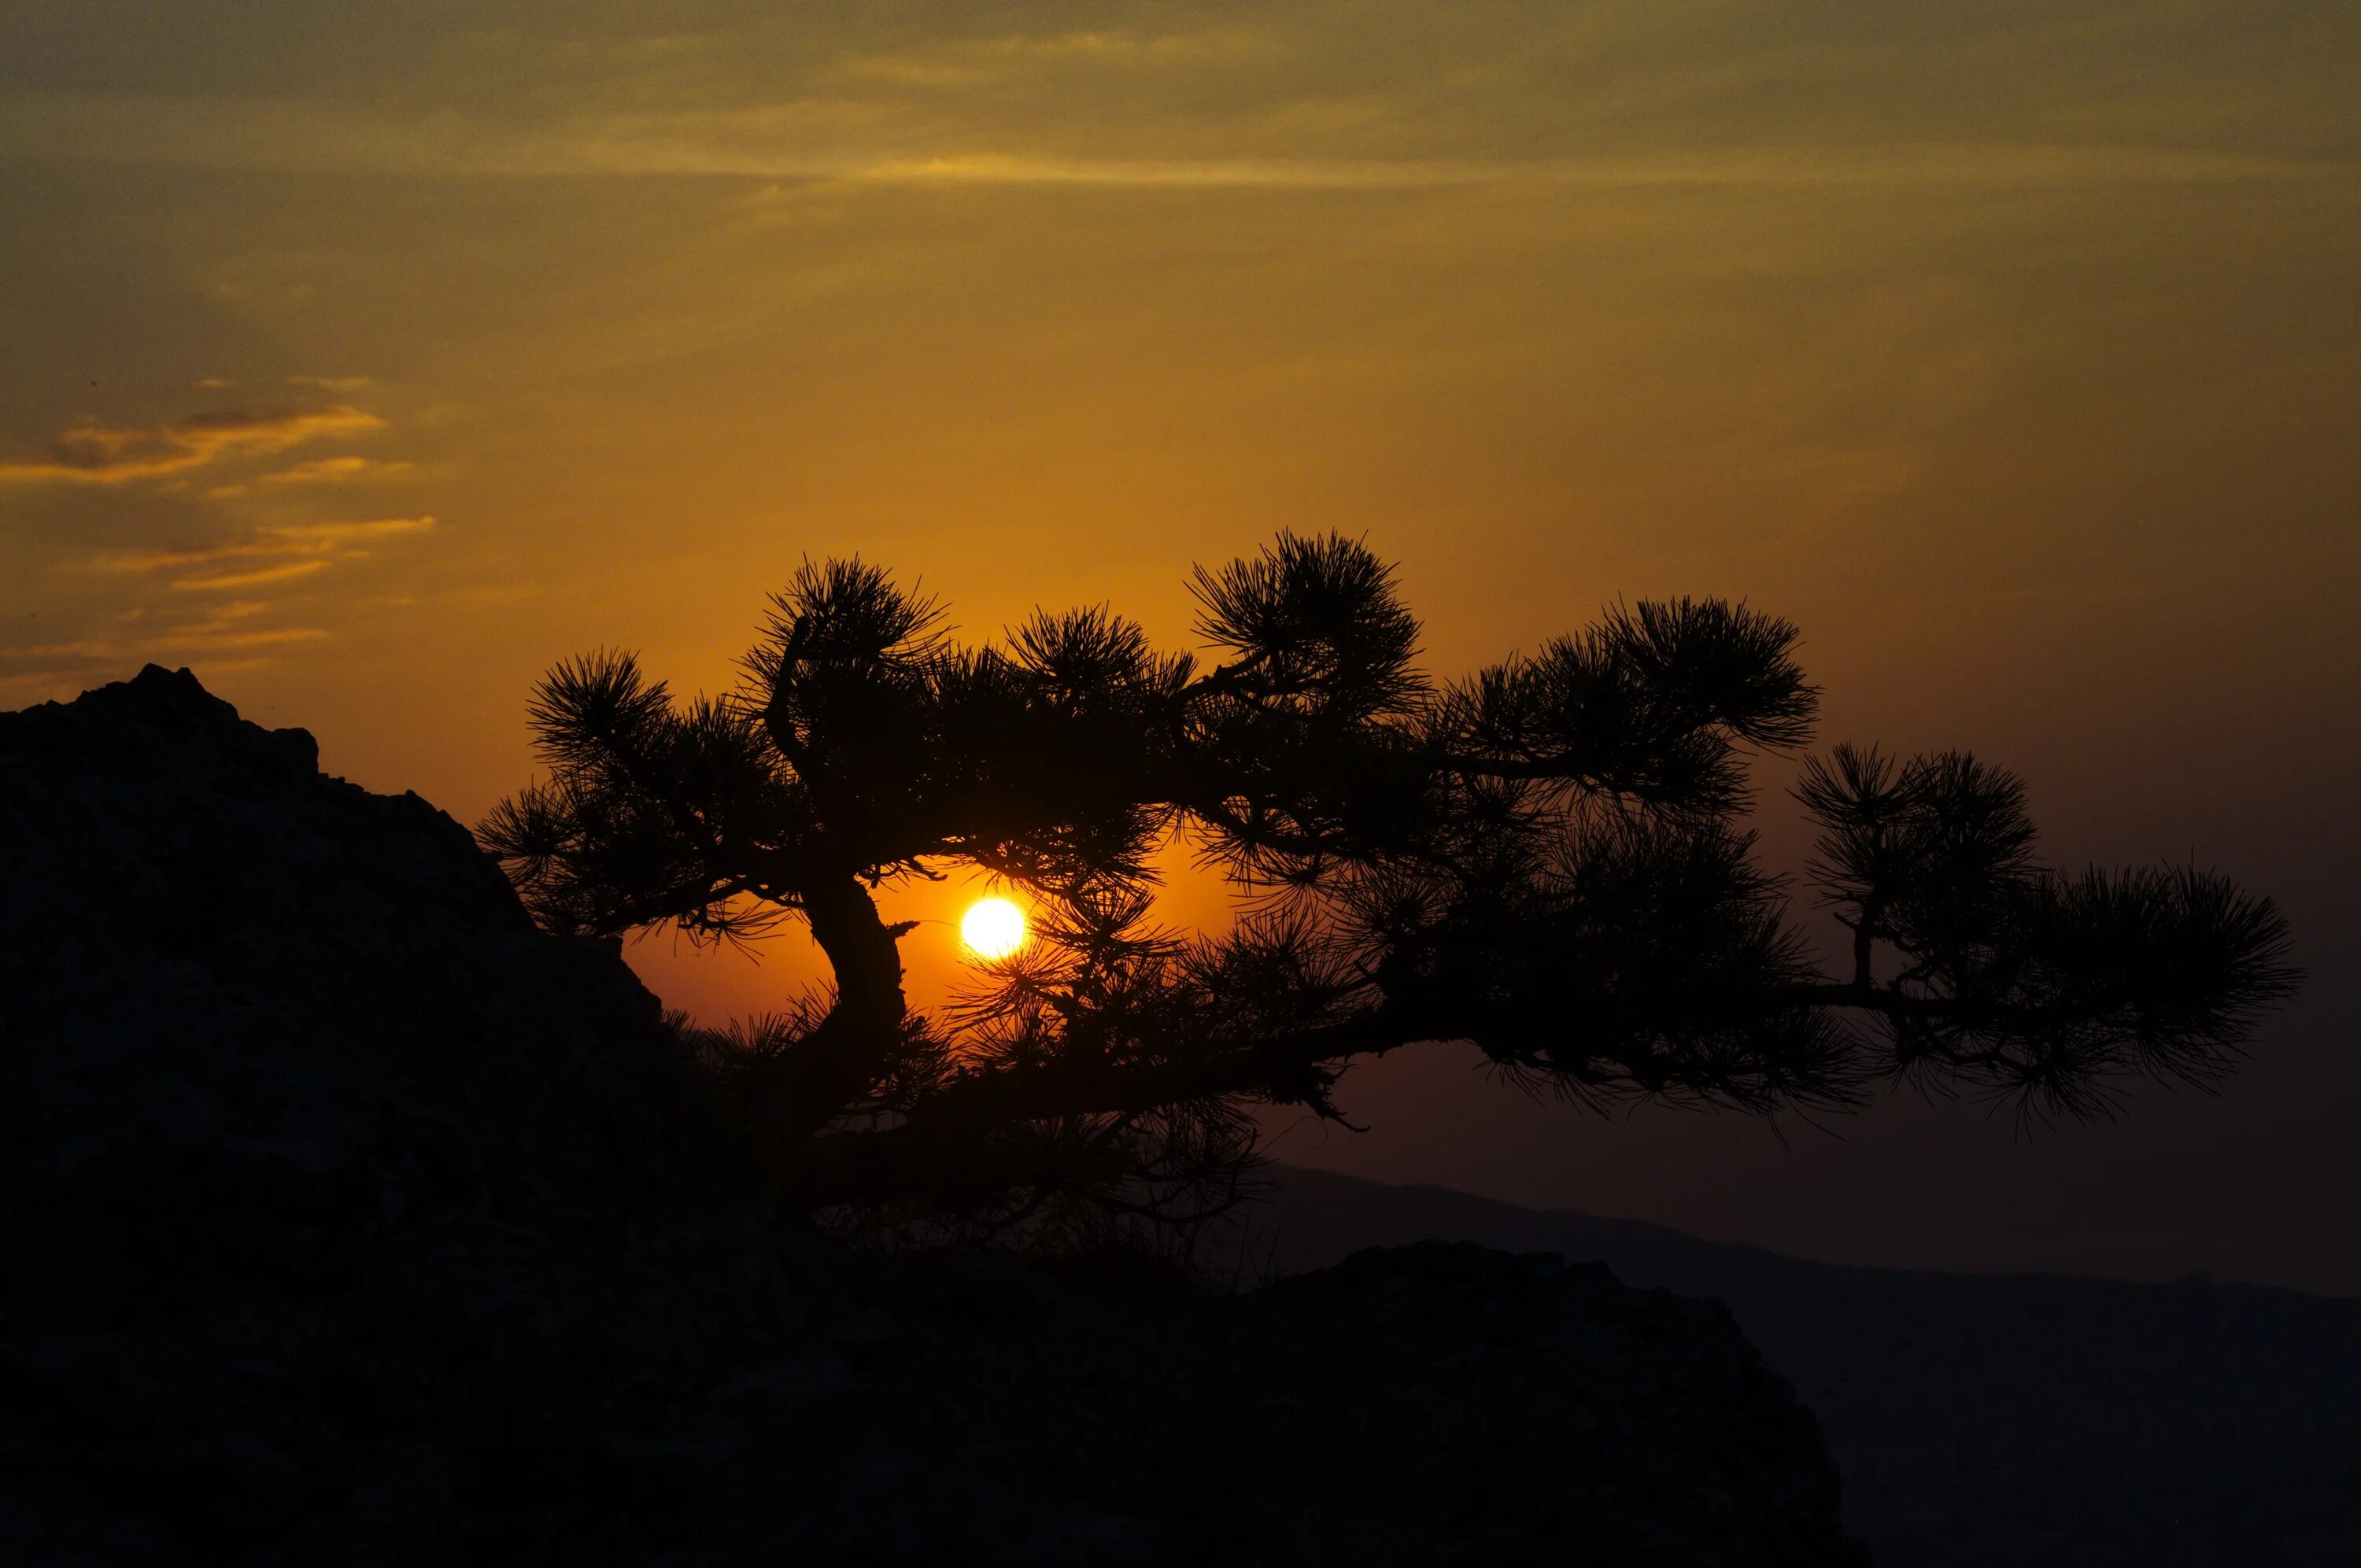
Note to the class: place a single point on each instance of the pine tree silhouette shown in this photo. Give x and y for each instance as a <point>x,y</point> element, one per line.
<point>1545,859</point>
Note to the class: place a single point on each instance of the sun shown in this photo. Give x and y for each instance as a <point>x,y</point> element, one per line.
<point>992,928</point>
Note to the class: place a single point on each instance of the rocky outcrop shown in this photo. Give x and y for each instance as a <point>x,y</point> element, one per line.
<point>1438,1403</point>
<point>1541,1401</point>
<point>352,1219</point>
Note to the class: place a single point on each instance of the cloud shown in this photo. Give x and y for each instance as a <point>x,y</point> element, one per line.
<point>214,582</point>
<point>158,560</point>
<point>113,455</point>
<point>227,626</point>
<point>332,383</point>
<point>260,637</point>
<point>277,553</point>
<point>56,653</point>
<point>222,617</point>
<point>177,622</point>
<point>1009,59</point>
<point>337,535</point>
<point>903,138</point>
<point>333,471</point>
<point>69,665</point>
<point>2029,165</point>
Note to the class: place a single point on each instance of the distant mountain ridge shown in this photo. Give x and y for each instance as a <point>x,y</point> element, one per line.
<point>1983,1419</point>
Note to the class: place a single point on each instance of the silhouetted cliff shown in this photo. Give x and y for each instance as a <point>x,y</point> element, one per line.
<point>352,1219</point>
<point>2037,1420</point>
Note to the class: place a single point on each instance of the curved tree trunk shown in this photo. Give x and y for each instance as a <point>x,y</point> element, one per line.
<point>838,1062</point>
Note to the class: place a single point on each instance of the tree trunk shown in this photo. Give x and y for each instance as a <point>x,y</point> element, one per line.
<point>838,1061</point>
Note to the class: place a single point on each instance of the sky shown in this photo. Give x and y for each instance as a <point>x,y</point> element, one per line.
<point>368,359</point>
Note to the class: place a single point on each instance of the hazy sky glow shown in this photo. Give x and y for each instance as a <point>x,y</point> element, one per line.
<point>369,357</point>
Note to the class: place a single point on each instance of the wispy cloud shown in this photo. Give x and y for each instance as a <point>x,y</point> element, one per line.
<point>249,577</point>
<point>1939,164</point>
<point>113,455</point>
<point>335,471</point>
<point>999,60</point>
<point>271,554</point>
<point>223,640</point>
<point>891,142</point>
<point>231,628</point>
<point>231,625</point>
<point>340,536</point>
<point>49,654</point>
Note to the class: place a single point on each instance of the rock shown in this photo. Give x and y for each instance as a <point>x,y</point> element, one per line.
<point>1485,1407</point>
<point>353,1218</point>
<point>235,982</point>
<point>1441,1403</point>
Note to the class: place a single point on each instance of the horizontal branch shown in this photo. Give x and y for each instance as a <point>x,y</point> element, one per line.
<point>941,1138</point>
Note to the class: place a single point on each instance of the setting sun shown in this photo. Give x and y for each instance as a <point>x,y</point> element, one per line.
<point>994,928</point>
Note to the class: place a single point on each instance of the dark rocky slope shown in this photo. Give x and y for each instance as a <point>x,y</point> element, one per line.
<point>351,1219</point>
<point>2026,1419</point>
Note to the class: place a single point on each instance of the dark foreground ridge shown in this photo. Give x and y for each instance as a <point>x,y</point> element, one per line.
<point>2026,1419</point>
<point>352,1219</point>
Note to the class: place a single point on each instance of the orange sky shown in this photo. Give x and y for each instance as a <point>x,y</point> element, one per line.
<point>370,359</point>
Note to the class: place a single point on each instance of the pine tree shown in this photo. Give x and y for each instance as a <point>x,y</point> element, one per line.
<point>1547,859</point>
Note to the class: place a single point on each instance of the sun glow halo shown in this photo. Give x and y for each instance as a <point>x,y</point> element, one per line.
<point>992,928</point>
